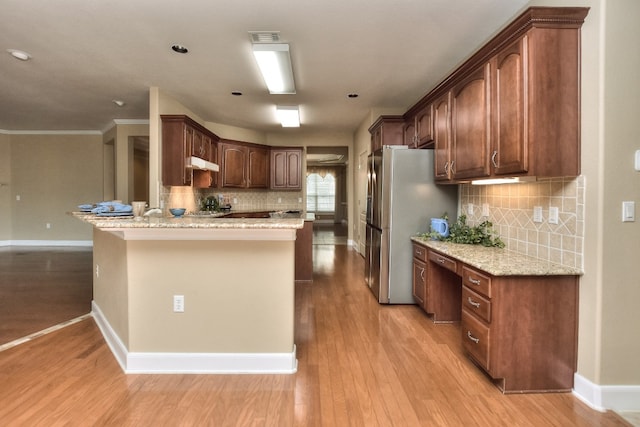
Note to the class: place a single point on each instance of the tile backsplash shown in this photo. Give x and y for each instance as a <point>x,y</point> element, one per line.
<point>240,200</point>
<point>511,209</point>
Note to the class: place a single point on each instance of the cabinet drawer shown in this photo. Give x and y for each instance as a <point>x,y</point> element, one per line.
<point>443,261</point>
<point>420,252</point>
<point>476,281</point>
<point>475,339</point>
<point>476,303</point>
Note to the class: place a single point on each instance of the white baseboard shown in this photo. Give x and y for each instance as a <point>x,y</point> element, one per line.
<point>86,243</point>
<point>193,363</point>
<point>352,242</point>
<point>604,397</point>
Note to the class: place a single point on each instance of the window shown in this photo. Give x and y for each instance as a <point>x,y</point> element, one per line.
<point>321,193</point>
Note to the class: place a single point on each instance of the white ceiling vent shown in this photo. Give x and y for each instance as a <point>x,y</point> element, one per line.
<point>265,36</point>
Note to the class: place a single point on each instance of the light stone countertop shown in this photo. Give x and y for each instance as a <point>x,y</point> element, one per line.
<point>188,222</point>
<point>497,261</point>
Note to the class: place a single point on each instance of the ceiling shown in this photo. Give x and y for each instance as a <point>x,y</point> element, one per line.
<point>86,53</point>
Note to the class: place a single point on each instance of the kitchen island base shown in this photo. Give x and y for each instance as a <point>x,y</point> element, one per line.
<point>238,291</point>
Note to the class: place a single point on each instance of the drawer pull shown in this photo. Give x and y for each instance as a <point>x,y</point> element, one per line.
<point>474,281</point>
<point>473,303</point>
<point>472,338</point>
<point>441,260</point>
<point>418,252</point>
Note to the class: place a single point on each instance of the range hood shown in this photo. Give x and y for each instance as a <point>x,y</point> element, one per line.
<point>202,164</point>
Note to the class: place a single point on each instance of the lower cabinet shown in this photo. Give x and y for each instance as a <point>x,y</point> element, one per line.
<point>522,330</point>
<point>419,275</point>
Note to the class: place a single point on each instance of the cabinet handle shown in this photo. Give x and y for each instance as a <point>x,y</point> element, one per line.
<point>472,338</point>
<point>474,281</point>
<point>473,303</point>
<point>446,168</point>
<point>493,159</point>
<point>453,170</point>
<point>441,260</point>
<point>422,273</point>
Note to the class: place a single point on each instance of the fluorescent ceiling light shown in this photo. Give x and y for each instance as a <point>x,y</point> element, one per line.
<point>275,65</point>
<point>289,117</point>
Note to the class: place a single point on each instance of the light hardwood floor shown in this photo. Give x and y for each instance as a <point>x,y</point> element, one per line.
<point>360,364</point>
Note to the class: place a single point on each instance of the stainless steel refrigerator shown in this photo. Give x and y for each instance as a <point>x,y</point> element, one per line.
<point>401,200</point>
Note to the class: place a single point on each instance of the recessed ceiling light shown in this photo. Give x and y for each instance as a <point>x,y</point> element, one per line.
<point>236,93</point>
<point>19,54</point>
<point>179,48</point>
<point>352,95</point>
<point>118,102</point>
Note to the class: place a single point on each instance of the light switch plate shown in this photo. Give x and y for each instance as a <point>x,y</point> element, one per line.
<point>628,211</point>
<point>637,162</point>
<point>470,208</point>
<point>537,214</point>
<point>485,209</point>
<point>553,214</point>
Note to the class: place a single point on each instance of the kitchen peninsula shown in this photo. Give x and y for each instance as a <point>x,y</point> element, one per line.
<point>196,295</point>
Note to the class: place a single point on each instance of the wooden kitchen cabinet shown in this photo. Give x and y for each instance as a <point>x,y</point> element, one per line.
<point>470,126</point>
<point>420,275</point>
<point>442,138</point>
<point>286,169</point>
<point>418,129</point>
<point>387,130</point>
<point>520,329</point>
<point>182,138</point>
<point>243,165</point>
<point>513,108</point>
<point>524,333</point>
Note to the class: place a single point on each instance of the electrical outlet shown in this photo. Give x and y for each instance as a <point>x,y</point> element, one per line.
<point>485,209</point>
<point>17,197</point>
<point>299,199</point>
<point>279,199</point>
<point>178,303</point>
<point>97,270</point>
<point>553,215</point>
<point>537,214</point>
<point>48,225</point>
<point>470,208</point>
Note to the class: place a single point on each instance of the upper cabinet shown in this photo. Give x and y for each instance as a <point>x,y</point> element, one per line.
<point>387,130</point>
<point>442,138</point>
<point>243,165</point>
<point>183,138</point>
<point>514,106</point>
<point>418,129</point>
<point>470,126</point>
<point>286,169</point>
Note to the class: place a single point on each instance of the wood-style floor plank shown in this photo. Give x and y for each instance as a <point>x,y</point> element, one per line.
<point>360,364</point>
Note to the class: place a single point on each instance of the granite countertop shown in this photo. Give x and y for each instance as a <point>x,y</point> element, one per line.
<point>497,261</point>
<point>207,222</point>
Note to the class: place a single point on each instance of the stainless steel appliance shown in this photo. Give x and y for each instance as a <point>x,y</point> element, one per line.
<point>401,200</point>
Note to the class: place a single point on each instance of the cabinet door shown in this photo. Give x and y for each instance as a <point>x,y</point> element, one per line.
<point>294,169</point>
<point>424,126</point>
<point>233,161</point>
<point>470,126</point>
<point>409,133</point>
<point>286,167</point>
<point>510,145</point>
<point>419,281</point>
<point>441,137</point>
<point>376,139</point>
<point>258,168</point>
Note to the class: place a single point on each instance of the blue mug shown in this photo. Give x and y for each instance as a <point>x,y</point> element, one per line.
<point>440,226</point>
